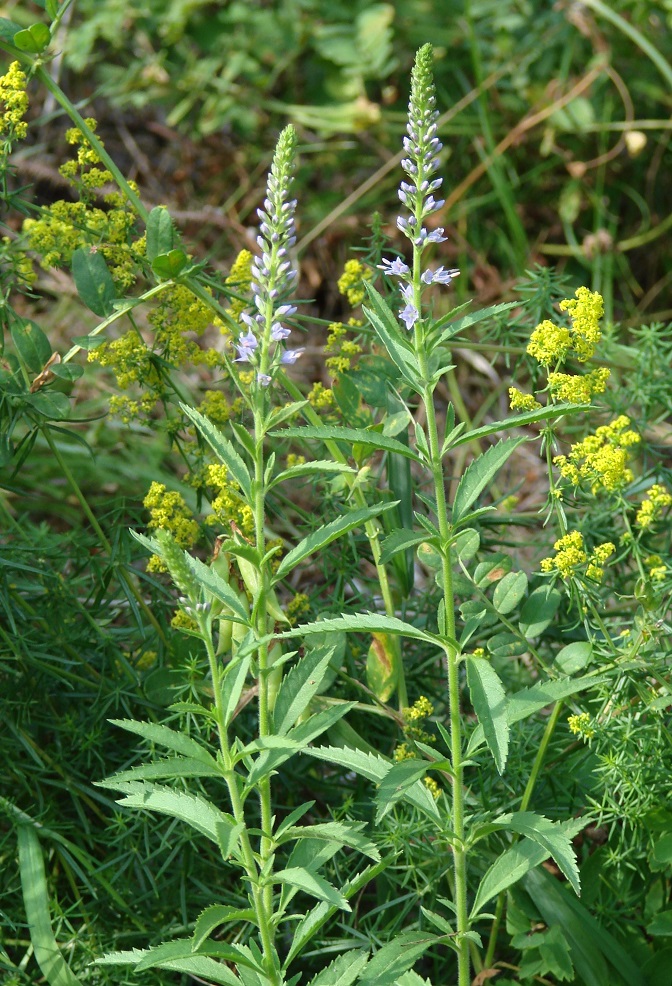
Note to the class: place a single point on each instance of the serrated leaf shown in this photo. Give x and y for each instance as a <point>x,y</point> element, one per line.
<point>550,835</point>
<point>395,958</point>
<point>489,700</point>
<point>32,345</point>
<point>352,436</point>
<point>223,448</point>
<point>480,473</point>
<point>326,534</point>
<point>182,948</point>
<point>214,916</point>
<point>388,331</point>
<point>325,466</point>
<point>509,591</point>
<point>344,833</point>
<point>200,967</point>
<point>299,686</point>
<point>189,808</point>
<point>363,623</point>
<point>473,318</point>
<point>375,769</point>
<point>508,869</point>
<point>36,902</point>
<point>310,883</point>
<point>399,540</point>
<point>161,233</point>
<point>396,782</point>
<point>301,736</point>
<point>93,281</point>
<point>514,421</point>
<point>343,971</point>
<point>169,738</point>
<point>215,584</point>
<point>538,611</point>
<point>165,769</point>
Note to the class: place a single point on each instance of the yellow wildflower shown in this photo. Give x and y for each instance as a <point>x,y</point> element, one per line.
<point>227,505</point>
<point>571,556</point>
<point>652,507</point>
<point>14,102</point>
<point>419,710</point>
<point>320,397</point>
<point>580,725</point>
<point>351,281</point>
<point>238,282</point>
<point>297,607</point>
<point>585,311</point>
<point>601,459</point>
<point>549,343</point>
<point>169,512</point>
<point>577,389</point>
<point>518,401</point>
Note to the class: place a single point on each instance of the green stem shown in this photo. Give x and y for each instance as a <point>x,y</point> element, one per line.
<point>91,517</point>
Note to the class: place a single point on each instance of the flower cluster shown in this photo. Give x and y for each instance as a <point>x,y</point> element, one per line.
<point>601,459</point>
<point>272,273</point>
<point>169,514</point>
<point>227,507</point>
<point>297,607</point>
<point>571,557</point>
<point>344,349</point>
<point>552,344</point>
<point>518,401</point>
<point>422,146</point>
<point>14,102</point>
<point>238,282</point>
<point>580,725</point>
<point>657,568</point>
<point>83,172</point>
<point>652,507</point>
<point>351,281</point>
<point>577,389</point>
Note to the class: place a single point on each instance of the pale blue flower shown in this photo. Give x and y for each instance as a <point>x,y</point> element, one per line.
<point>263,379</point>
<point>396,267</point>
<point>290,355</point>
<point>279,331</point>
<point>438,276</point>
<point>409,316</point>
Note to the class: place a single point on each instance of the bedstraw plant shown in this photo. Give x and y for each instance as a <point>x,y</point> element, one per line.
<point>509,643</point>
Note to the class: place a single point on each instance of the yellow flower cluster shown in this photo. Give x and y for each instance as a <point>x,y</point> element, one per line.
<point>578,389</point>
<point>657,568</point>
<point>404,752</point>
<point>518,401</point>
<point>14,102</point>
<point>178,312</point>
<point>351,281</point>
<point>297,607</point>
<point>130,360</point>
<point>181,621</point>
<point>550,343</point>
<point>295,460</point>
<point>320,397</point>
<point>571,556</point>
<point>127,409</point>
<point>216,407</point>
<point>653,506</point>
<point>238,282</point>
<point>345,348</point>
<point>66,226</point>
<point>580,725</point>
<point>83,172</point>
<point>420,709</point>
<point>601,459</point>
<point>227,506</point>
<point>169,512</point>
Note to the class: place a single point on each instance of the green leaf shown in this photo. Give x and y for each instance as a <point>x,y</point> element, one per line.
<point>34,39</point>
<point>326,534</point>
<point>221,590</point>
<point>161,233</point>
<point>395,958</point>
<point>509,591</point>
<point>164,769</point>
<point>514,421</point>
<point>299,686</point>
<point>51,405</point>
<point>375,769</point>
<point>344,833</point>
<point>383,662</point>
<point>343,971</point>
<point>93,281</point>
<point>8,29</point>
<point>325,466</point>
<point>223,448</point>
<point>399,540</point>
<point>591,946</point>
<point>489,700</point>
<point>396,782</point>
<point>310,883</point>
<point>458,325</point>
<point>214,916</point>
<point>361,436</point>
<point>169,265</point>
<point>167,737</point>
<point>508,869</point>
<point>235,675</point>
<point>53,966</point>
<point>67,371</point>
<point>299,737</point>
<point>182,948</point>
<point>362,623</point>
<point>661,924</point>
<point>538,611</point>
<point>388,331</point>
<point>189,808</point>
<point>200,967</point>
<point>574,657</point>
<point>480,474</point>
<point>32,345</point>
<point>550,835</point>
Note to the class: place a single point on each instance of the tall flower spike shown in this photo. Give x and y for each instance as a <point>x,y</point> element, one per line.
<point>272,272</point>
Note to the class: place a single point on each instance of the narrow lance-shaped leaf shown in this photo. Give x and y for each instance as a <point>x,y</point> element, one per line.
<point>361,436</point>
<point>36,902</point>
<point>302,878</point>
<point>299,687</point>
<point>169,738</point>
<point>223,448</point>
<point>326,534</point>
<point>480,473</point>
<point>489,701</point>
<point>343,971</point>
<point>550,835</point>
<point>366,622</point>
